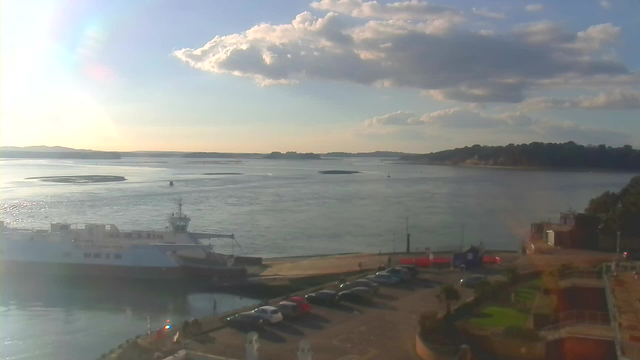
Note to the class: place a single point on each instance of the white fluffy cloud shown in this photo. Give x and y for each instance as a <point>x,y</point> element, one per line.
<point>616,100</point>
<point>534,7</point>
<point>434,54</point>
<point>605,4</point>
<point>486,13</point>
<point>403,10</point>
<point>395,118</point>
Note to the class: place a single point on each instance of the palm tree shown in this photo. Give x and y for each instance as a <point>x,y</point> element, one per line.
<point>448,294</point>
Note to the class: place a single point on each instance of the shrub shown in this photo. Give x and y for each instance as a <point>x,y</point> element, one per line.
<point>520,333</point>
<point>483,290</point>
<point>512,275</point>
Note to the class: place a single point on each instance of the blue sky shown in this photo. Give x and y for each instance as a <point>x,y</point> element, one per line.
<point>329,75</point>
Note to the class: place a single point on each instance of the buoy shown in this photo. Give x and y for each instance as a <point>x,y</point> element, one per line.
<point>170,183</point>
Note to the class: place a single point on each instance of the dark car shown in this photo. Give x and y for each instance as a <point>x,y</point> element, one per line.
<point>361,283</point>
<point>381,278</point>
<point>401,275</point>
<point>472,281</point>
<point>357,295</point>
<point>410,268</point>
<point>248,321</point>
<point>323,297</point>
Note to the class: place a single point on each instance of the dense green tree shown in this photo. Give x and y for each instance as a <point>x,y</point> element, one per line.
<point>619,211</point>
<point>448,294</point>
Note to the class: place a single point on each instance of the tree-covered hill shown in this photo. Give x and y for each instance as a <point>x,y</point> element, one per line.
<point>536,154</point>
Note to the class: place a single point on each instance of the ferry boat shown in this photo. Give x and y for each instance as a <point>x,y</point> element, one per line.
<point>103,250</point>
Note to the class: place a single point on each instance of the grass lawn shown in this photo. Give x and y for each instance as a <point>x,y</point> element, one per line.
<point>496,316</point>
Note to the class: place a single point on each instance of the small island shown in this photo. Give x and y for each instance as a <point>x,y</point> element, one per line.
<point>79,179</point>
<point>292,155</point>
<point>338,172</point>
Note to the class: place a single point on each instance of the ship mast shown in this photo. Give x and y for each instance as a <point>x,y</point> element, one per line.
<point>179,222</point>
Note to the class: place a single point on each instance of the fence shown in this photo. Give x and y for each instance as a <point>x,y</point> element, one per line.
<point>579,274</point>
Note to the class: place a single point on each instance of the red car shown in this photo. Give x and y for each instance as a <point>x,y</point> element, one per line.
<point>302,303</point>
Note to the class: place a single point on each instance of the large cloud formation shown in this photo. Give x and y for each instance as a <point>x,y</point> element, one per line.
<point>411,44</point>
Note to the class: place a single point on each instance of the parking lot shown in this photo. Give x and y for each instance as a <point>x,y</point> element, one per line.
<point>383,330</point>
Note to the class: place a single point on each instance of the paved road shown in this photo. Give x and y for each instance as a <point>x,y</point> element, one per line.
<point>384,330</point>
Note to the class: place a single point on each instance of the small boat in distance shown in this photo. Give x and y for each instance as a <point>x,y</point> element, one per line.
<point>170,183</point>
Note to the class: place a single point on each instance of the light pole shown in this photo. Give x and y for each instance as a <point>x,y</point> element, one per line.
<point>394,243</point>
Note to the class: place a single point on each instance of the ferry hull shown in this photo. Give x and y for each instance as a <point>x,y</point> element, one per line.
<point>9,268</point>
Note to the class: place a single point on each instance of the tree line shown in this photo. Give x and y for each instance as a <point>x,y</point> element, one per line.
<point>537,154</point>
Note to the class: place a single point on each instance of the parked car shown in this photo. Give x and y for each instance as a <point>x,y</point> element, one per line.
<point>400,276</point>
<point>302,303</point>
<point>323,297</point>
<point>401,273</point>
<point>383,279</point>
<point>358,295</point>
<point>289,309</point>
<point>472,281</point>
<point>269,314</point>
<point>248,321</point>
<point>361,283</point>
<point>410,268</point>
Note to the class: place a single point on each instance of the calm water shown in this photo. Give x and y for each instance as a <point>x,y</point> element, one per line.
<point>276,208</point>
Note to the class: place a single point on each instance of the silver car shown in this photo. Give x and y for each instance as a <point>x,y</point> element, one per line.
<point>375,288</point>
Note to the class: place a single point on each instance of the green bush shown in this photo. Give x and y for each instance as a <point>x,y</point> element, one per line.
<point>484,289</point>
<point>520,333</point>
<point>512,275</point>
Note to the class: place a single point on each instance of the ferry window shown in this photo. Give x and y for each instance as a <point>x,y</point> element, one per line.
<point>127,235</point>
<point>97,255</point>
<point>117,256</point>
<point>87,255</point>
<point>67,254</point>
<point>148,236</point>
<point>107,256</point>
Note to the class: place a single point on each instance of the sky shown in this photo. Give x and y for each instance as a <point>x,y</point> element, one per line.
<point>317,76</point>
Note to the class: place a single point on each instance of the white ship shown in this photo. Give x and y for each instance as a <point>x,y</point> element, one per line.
<point>105,251</point>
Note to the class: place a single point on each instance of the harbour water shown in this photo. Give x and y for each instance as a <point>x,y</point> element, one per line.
<point>275,208</point>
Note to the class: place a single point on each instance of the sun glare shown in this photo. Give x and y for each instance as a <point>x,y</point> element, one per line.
<point>41,101</point>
